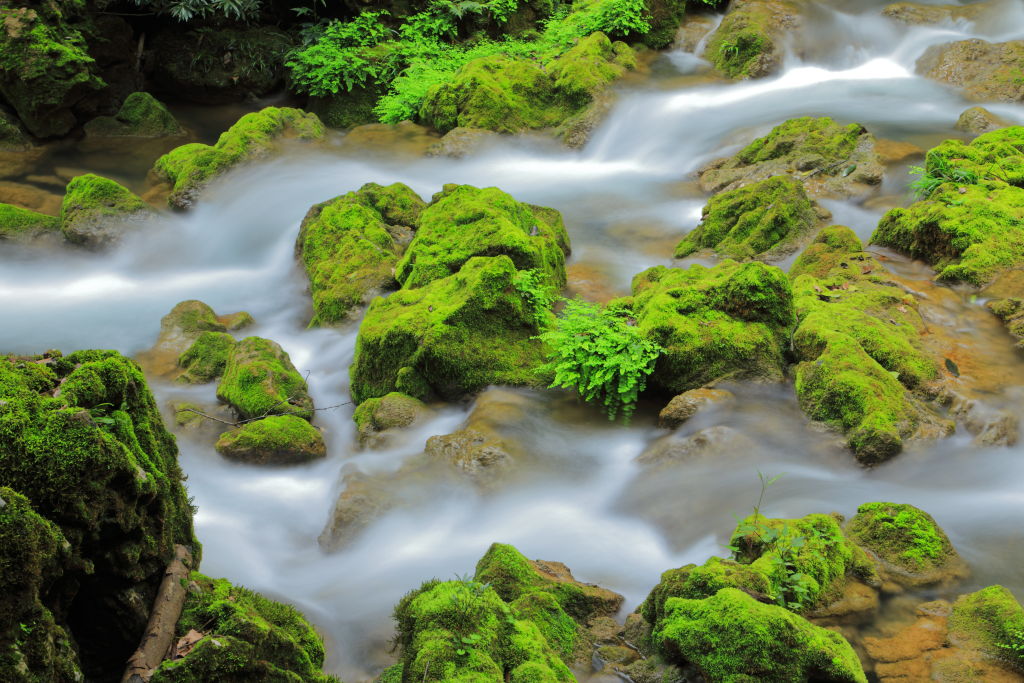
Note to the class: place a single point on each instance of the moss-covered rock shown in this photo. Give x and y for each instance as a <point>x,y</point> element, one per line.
<point>349,247</point>
<point>764,220</point>
<point>749,43</point>
<point>392,411</point>
<point>464,221</point>
<point>1011,312</point>
<point>858,343</point>
<point>97,211</point>
<point>733,637</point>
<point>590,66</point>
<point>13,137</point>
<point>832,160</point>
<point>259,378</point>
<point>449,338</point>
<point>22,226</point>
<point>996,155</point>
<point>985,71</point>
<point>278,439</point>
<point>730,321</point>
<point>347,108</point>
<point>906,542</point>
<point>205,360</point>
<point>695,582</point>
<point>45,69</point>
<point>244,637</point>
<point>140,116</point>
<point>82,437</point>
<point>990,620</point>
<point>191,167</point>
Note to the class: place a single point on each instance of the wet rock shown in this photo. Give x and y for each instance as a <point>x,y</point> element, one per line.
<point>347,108</point>
<point>978,120</point>
<point>695,28</point>
<point>590,281</point>
<point>259,378</point>
<point>750,41</point>
<point>184,416</point>
<point>461,142</point>
<point>236,321</point>
<point>577,130</point>
<point>858,604</point>
<point>986,620</point>
<point>18,155</point>
<point>985,71</point>
<point>141,116</point>
<point>376,417</point>
<point>1011,312</point>
<point>30,197</point>
<point>21,226</point>
<point>895,151</point>
<point>990,426</point>
<point>830,159</point>
<point>713,442</point>
<point>684,406</point>
<point>97,212</point>
<point>363,499</point>
<point>278,439</point>
<point>406,139</point>
<point>917,14</point>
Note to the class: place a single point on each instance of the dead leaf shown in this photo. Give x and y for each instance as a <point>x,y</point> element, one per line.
<point>952,367</point>
<point>186,643</point>
<point>901,309</point>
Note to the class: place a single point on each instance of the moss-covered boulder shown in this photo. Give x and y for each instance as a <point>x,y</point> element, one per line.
<point>179,330</point>
<point>733,637</point>
<point>750,41</point>
<point>449,338</point>
<point>140,116</point>
<point>259,378</point>
<point>375,416</point>
<point>906,543</point>
<point>45,69</point>
<point>206,359</point>
<point>21,226</point>
<point>985,71</point>
<point>464,221</point>
<point>730,321</point>
<point>97,211</point>
<point>995,156</point>
<point>764,220</point>
<point>862,367</point>
<point>278,439</point>
<point>990,620</point>
<point>189,168</point>
<point>590,66</point>
<point>238,635</point>
<point>350,245</point>
<point>831,159</point>
<point>82,438</point>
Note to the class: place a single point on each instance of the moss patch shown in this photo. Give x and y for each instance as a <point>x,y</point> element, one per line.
<point>901,535</point>
<point>205,360</point>
<point>24,227</point>
<point>990,619</point>
<point>140,115</point>
<point>747,44</point>
<point>278,439</point>
<point>96,209</point>
<point>259,378</point>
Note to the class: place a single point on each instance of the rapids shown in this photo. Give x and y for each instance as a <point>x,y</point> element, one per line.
<point>626,199</point>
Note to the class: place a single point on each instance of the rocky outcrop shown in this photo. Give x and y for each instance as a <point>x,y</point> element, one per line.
<point>276,439</point>
<point>377,419</point>
<point>917,14</point>
<point>750,41</point>
<point>984,71</point>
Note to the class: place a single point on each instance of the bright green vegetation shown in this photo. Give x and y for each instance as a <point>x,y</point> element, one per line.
<point>274,439</point>
<point>749,221</point>
<point>970,221</point>
<point>259,378</point>
<point>22,225</point>
<point>732,321</point>
<point>141,115</point>
<point>92,204</point>
<point>349,248</point>
<point>858,342</point>
<point>192,317</point>
<point>808,136</point>
<point>245,638</point>
<point>992,620</point>
<point>449,338</point>
<point>464,221</point>
<point>733,637</point>
<point>901,535</point>
<point>1011,312</point>
<point>597,352</point>
<point>392,411</point>
<point>190,167</point>
<point>96,461</point>
<point>205,360</point>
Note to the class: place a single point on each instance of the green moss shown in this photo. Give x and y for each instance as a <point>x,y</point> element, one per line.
<point>744,45</point>
<point>140,115</point>
<point>246,638</point>
<point>465,221</point>
<point>192,317</point>
<point>1011,312</point>
<point>733,637</point>
<point>694,582</point>
<point>347,249</point>
<point>204,361</point>
<point>191,167</point>
<point>237,321</point>
<point>808,137</point>
<point>22,225</point>
<point>858,340</point>
<point>749,221</point>
<point>830,247</point>
<point>259,378</point>
<point>901,535</point>
<point>563,634</point>
<point>590,66</point>
<point>989,619</point>
<point>12,137</point>
<point>393,411</point>
<point>275,439</point>
<point>347,108</point>
<point>728,321</point>
<point>93,206</point>
<point>997,155</point>
<point>451,337</point>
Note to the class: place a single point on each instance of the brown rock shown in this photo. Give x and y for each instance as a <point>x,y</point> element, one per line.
<point>978,120</point>
<point>917,14</point>
<point>695,28</point>
<point>857,605</point>
<point>30,197</point>
<point>684,406</point>
<point>714,442</point>
<point>460,142</point>
<point>984,71</point>
<point>893,151</point>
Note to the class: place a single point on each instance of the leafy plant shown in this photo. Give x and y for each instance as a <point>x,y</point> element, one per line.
<point>936,172</point>
<point>99,414</point>
<point>537,294</point>
<point>1013,646</point>
<point>187,10</point>
<point>600,353</point>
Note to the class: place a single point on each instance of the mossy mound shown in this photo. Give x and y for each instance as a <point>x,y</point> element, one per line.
<point>749,41</point>
<point>278,439</point>
<point>694,582</point>
<point>590,66</point>
<point>992,621</point>
<point>349,247</point>
<point>830,246</point>
<point>82,438</point>
<point>449,338</point>
<point>730,321</point>
<point>733,637</point>
<point>191,167</point>
<point>996,155</point>
<point>858,343</point>
<point>21,226</point>
<point>206,359</point>
<point>831,159</point>
<point>1011,312</point>
<point>140,116</point>
<point>96,211</point>
<point>259,378</point>
<point>392,411</point>
<point>244,638</point>
<point>764,220</point>
<point>464,221</point>
<point>45,69</point>
<point>907,542</point>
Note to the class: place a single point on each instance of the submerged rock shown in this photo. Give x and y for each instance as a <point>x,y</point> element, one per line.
<point>259,379</point>
<point>97,212</point>
<point>978,120</point>
<point>714,442</point>
<point>21,226</point>
<point>750,41</point>
<point>461,142</point>
<point>277,439</point>
<point>832,160</point>
<point>375,418</point>
<point>687,404</point>
<point>141,116</point>
<point>984,71</point>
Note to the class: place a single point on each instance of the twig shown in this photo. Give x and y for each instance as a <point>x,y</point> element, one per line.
<point>239,423</point>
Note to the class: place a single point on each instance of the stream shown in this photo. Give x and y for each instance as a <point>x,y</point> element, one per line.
<point>627,198</point>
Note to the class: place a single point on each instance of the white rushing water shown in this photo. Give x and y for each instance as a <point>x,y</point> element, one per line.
<point>624,198</point>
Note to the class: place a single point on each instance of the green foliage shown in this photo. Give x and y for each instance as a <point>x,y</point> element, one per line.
<point>187,10</point>
<point>1013,646</point>
<point>600,353</point>
<point>937,173</point>
<point>537,292</point>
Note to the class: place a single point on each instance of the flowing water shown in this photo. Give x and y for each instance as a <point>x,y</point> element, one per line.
<point>627,198</point>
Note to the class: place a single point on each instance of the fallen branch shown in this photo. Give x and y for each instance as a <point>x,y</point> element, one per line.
<point>163,619</point>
